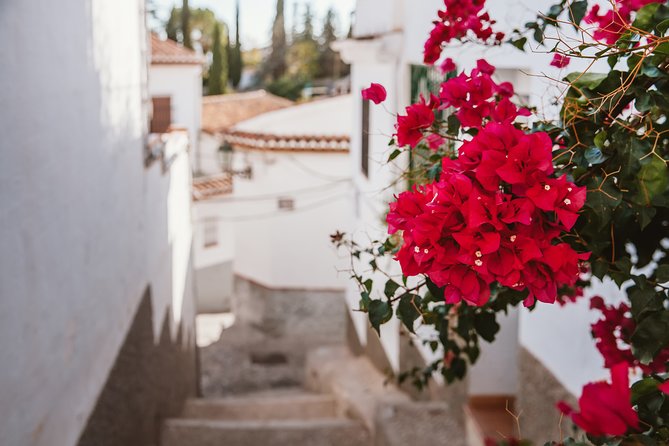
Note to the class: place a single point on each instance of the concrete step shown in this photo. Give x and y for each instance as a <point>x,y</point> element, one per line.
<point>303,406</point>
<point>319,432</point>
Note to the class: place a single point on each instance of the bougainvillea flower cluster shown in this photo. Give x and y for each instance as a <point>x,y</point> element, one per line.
<point>605,409</point>
<point>612,24</point>
<point>613,332</point>
<point>497,212</point>
<point>459,19</point>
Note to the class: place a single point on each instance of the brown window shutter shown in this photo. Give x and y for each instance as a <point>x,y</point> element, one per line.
<point>162,114</point>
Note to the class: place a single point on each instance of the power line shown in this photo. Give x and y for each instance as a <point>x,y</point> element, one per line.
<point>268,215</point>
<point>233,199</point>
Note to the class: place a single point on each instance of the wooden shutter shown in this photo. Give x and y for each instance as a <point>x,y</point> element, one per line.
<point>162,114</point>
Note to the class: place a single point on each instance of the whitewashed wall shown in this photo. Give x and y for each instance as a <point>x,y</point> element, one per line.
<point>183,82</point>
<point>283,249</point>
<point>84,227</point>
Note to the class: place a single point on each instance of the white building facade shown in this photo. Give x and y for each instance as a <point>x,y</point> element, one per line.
<point>291,190</point>
<point>96,302</point>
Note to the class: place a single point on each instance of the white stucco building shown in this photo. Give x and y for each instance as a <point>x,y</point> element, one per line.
<point>96,310</point>
<point>291,191</point>
<point>175,87</point>
<point>552,343</point>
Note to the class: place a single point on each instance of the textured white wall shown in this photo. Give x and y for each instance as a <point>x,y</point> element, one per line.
<point>282,249</point>
<point>84,225</point>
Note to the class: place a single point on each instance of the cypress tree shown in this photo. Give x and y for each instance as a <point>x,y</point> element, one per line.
<point>328,58</point>
<point>236,55</point>
<point>277,58</point>
<point>185,25</point>
<point>308,25</point>
<point>218,77</point>
<point>172,25</point>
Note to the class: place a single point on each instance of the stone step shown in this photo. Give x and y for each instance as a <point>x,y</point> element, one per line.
<point>304,406</point>
<point>319,432</point>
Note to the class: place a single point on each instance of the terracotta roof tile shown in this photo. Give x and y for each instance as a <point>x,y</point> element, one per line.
<point>220,112</point>
<point>212,186</point>
<point>288,143</point>
<point>169,52</point>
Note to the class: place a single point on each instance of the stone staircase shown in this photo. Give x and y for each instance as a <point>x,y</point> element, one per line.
<point>295,418</point>
<point>255,393</point>
<point>269,389</point>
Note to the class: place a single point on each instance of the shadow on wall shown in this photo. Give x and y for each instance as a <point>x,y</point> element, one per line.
<point>148,383</point>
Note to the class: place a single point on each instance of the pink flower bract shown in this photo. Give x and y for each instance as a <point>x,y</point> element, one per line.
<point>375,93</point>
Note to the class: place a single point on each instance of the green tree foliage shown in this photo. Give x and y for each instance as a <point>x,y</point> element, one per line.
<point>201,19</point>
<point>329,62</point>
<point>173,24</point>
<point>276,63</point>
<point>235,55</point>
<point>304,54</point>
<point>185,25</point>
<point>205,22</point>
<point>218,73</point>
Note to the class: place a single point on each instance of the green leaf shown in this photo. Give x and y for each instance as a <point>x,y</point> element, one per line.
<point>364,301</point>
<point>486,326</point>
<point>453,124</point>
<point>520,43</point>
<point>651,335</point>
<point>380,312</point>
<point>662,273</point>
<point>644,17</point>
<point>600,139</point>
<point>394,155</point>
<point>407,310</point>
<point>662,26</point>
<point>645,216</point>
<point>368,285</point>
<point>653,179</point>
<point>644,301</point>
<point>390,288</point>
<point>577,11</point>
<point>586,80</point>
<point>436,291</point>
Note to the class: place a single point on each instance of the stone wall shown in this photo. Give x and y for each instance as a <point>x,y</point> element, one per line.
<point>315,316</point>
<point>149,382</point>
<point>538,394</point>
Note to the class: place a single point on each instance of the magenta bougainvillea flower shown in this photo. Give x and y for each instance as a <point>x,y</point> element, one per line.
<point>605,408</point>
<point>497,212</point>
<point>419,116</point>
<point>459,19</point>
<point>375,93</point>
<point>612,24</point>
<point>447,65</point>
<point>560,60</point>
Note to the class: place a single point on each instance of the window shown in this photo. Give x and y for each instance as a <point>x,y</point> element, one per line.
<point>286,204</point>
<point>162,114</point>
<point>210,233</point>
<point>364,153</point>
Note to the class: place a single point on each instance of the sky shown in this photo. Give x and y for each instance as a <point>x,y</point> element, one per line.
<point>256,16</point>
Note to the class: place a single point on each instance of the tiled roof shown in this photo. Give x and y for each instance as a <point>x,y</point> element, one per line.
<point>220,112</point>
<point>211,186</point>
<point>288,143</point>
<point>169,52</point>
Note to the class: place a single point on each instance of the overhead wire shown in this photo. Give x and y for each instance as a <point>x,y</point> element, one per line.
<point>276,213</point>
